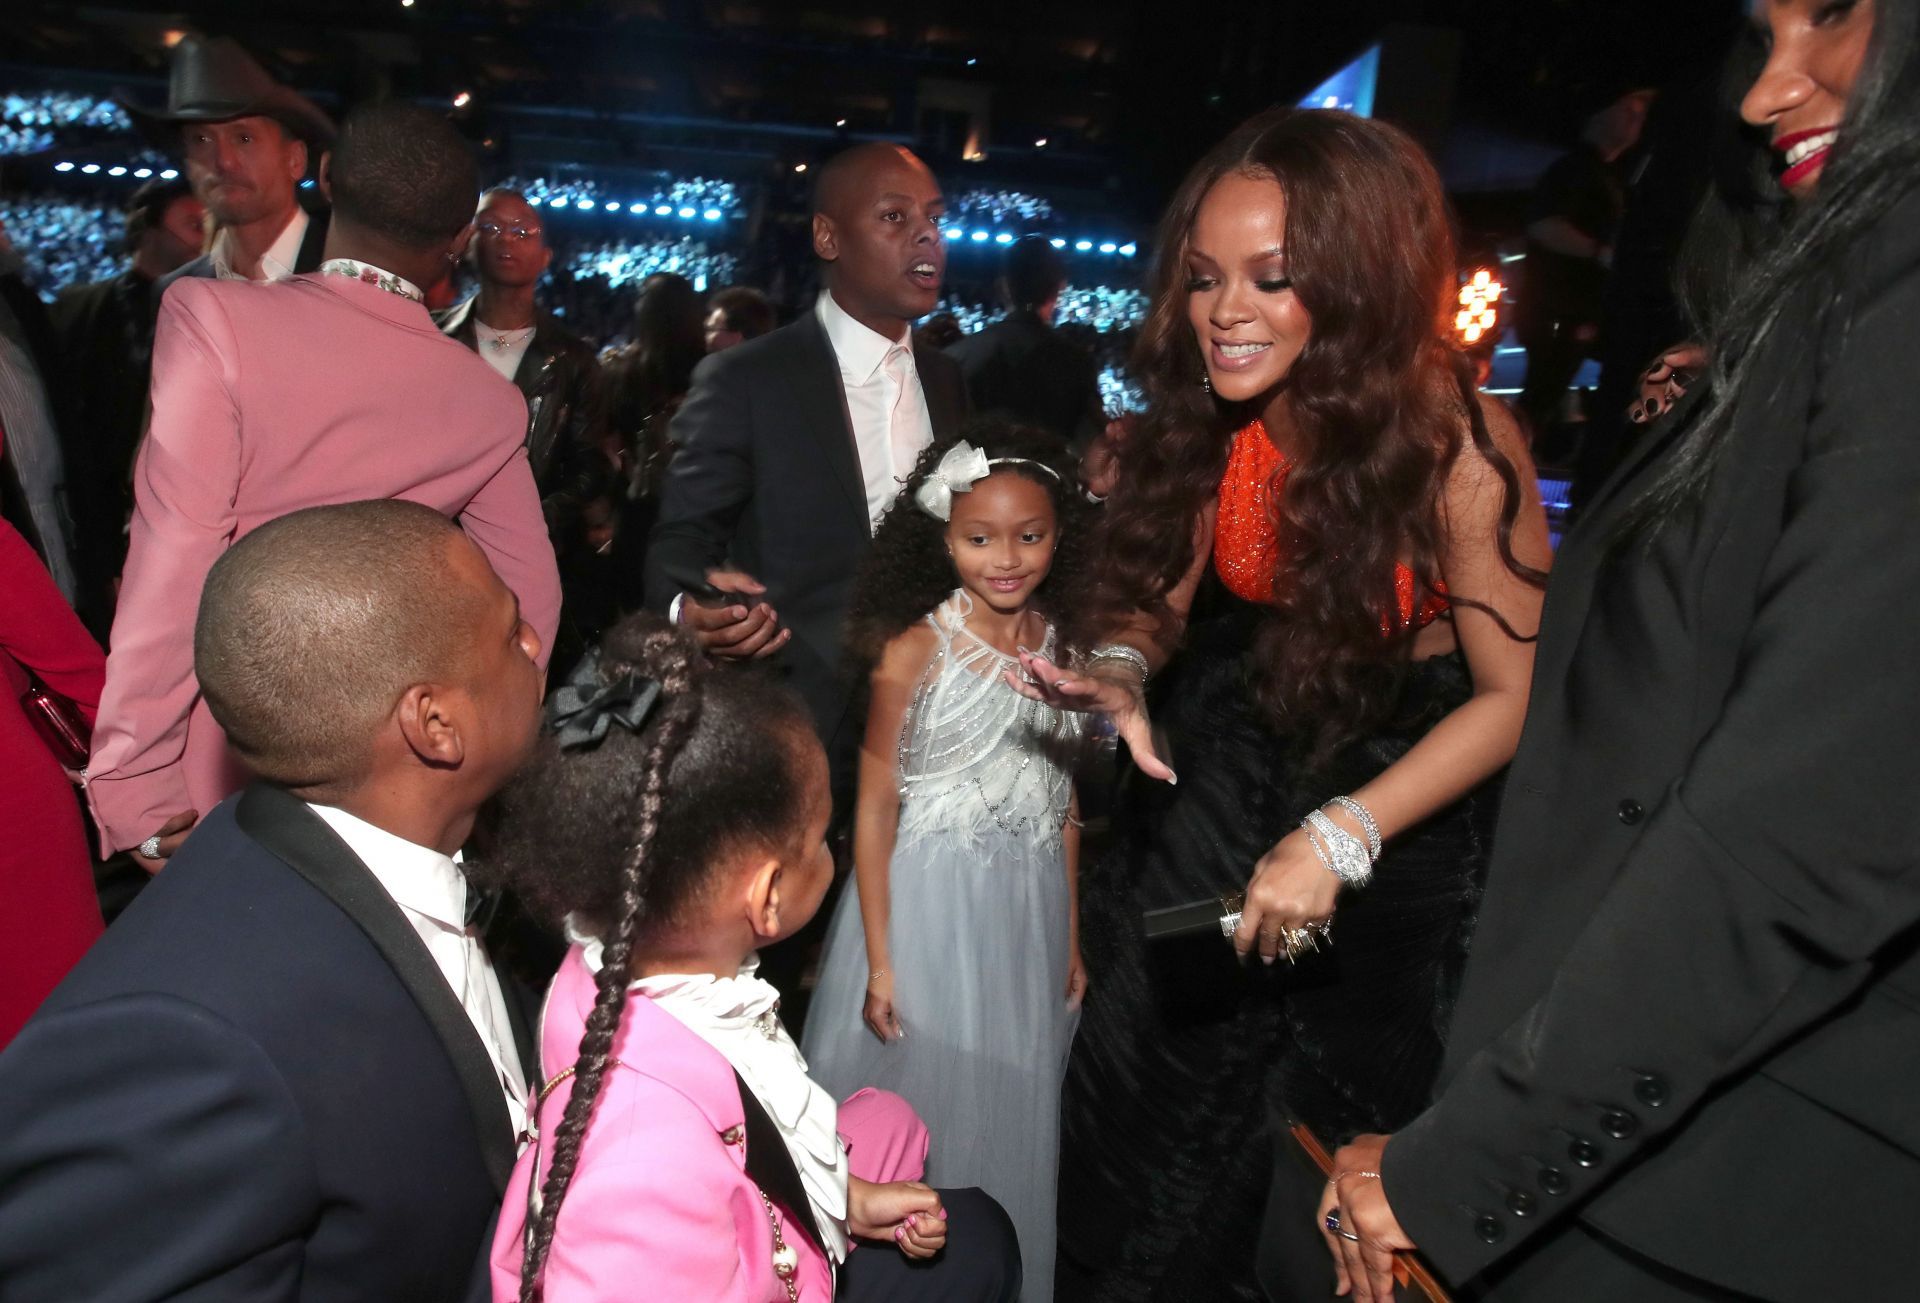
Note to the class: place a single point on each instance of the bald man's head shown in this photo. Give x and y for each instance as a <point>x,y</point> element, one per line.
<point>313,626</point>
<point>876,224</point>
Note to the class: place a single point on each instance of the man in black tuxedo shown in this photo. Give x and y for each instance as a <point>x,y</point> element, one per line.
<point>792,445</point>
<point>246,142</point>
<point>289,1071</point>
<point>1021,365</point>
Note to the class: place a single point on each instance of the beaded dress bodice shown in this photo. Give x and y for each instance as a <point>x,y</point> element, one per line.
<point>1246,535</point>
<point>976,758</point>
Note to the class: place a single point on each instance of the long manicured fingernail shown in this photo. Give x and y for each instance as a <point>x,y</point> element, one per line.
<point>899,1233</point>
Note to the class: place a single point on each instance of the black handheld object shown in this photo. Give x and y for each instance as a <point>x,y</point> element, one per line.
<point>695,584</point>
<point>1216,915</point>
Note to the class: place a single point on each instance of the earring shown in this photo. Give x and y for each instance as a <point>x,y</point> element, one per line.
<point>1206,382</point>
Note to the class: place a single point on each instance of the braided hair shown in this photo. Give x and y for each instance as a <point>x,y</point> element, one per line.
<point>621,837</point>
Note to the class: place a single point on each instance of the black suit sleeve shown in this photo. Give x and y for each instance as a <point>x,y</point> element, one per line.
<point>1770,877</point>
<point>151,1150</point>
<point>709,483</point>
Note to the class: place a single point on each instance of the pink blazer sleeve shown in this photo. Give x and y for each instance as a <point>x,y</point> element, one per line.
<point>184,484</point>
<point>655,1199</point>
<point>41,632</point>
<point>504,520</point>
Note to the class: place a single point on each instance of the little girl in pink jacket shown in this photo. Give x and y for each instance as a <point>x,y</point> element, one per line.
<point>675,820</point>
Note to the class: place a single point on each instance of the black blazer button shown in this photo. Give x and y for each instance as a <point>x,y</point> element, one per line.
<point>1584,1152</point>
<point>1619,1123</point>
<point>1490,1228</point>
<point>1554,1181</point>
<point>1651,1091</point>
<point>1521,1204</point>
<point>1632,812</point>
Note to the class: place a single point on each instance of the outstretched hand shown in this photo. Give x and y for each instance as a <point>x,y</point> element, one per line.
<point>1116,696</point>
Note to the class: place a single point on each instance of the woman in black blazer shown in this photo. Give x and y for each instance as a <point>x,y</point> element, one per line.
<point>1683,1064</point>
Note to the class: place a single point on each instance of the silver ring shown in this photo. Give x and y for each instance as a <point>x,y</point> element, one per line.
<point>1333,1224</point>
<point>150,848</point>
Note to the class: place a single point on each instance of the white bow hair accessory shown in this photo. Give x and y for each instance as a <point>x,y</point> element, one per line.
<point>958,471</point>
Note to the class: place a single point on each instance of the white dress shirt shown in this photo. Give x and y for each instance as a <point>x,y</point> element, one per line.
<point>276,264</point>
<point>502,349</point>
<point>432,892</point>
<point>884,402</point>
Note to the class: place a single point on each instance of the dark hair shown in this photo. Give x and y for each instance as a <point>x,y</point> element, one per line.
<point>327,616</point>
<point>1382,401</point>
<point>148,207</point>
<point>1875,163</point>
<point>1034,273</point>
<point>402,171</point>
<point>908,572</point>
<point>622,836</point>
<point>669,339</point>
<point>744,309</point>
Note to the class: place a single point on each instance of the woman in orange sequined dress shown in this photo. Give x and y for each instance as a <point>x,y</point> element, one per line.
<point>1334,548</point>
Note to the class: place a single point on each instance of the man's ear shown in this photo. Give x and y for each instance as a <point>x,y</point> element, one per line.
<point>826,242</point>
<point>326,174</point>
<point>763,897</point>
<point>430,725</point>
<point>462,243</point>
<point>297,158</point>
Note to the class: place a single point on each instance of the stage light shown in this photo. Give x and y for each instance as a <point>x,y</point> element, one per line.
<point>584,205</point>
<point>663,211</point>
<point>63,167</point>
<point>953,233</point>
<point>143,172</point>
<point>979,237</point>
<point>637,210</point>
<point>91,168</point>
<point>116,171</point>
<point>1481,278</point>
<point>612,206</point>
<point>1479,314</point>
<point>1109,247</point>
<point>972,62</point>
<point>1003,238</point>
<point>406,4</point>
<point>1081,246</point>
<point>839,122</point>
<point>799,167</point>
<point>1129,249</point>
<point>1040,143</point>
<point>686,212</point>
<point>1057,242</point>
<point>168,174</point>
<point>307,184</point>
<point>558,201</point>
<point>711,215</point>
<point>462,98</point>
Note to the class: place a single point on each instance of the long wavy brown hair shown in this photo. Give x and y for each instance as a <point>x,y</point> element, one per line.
<point>1382,401</point>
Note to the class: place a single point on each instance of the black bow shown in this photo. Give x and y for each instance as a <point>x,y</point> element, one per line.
<point>580,712</point>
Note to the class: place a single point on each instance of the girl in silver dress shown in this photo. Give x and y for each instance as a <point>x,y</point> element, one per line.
<point>952,972</point>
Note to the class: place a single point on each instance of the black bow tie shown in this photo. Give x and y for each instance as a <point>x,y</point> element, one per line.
<point>480,906</point>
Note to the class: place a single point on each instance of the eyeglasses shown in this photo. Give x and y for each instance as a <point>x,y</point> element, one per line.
<point>495,231</point>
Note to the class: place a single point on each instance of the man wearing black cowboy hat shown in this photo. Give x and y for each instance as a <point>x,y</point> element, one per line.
<point>244,140</point>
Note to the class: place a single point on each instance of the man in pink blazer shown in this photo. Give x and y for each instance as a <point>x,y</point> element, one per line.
<point>268,398</point>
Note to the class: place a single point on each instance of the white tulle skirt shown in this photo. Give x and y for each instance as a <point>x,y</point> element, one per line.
<point>979,934</point>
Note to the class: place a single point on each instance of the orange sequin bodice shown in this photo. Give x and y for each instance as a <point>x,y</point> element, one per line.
<point>1246,536</point>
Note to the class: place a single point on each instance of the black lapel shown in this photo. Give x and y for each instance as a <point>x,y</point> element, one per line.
<point>814,375</point>
<point>946,393</point>
<point>771,1166</point>
<point>1653,440</point>
<point>283,825</point>
<point>520,1001</point>
<point>313,245</point>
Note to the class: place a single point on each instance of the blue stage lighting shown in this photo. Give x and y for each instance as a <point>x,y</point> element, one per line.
<point>711,215</point>
<point>63,167</point>
<point>557,202</point>
<point>686,212</point>
<point>583,204</point>
<point>612,206</point>
<point>663,211</point>
<point>116,171</point>
<point>1057,242</point>
<point>1128,249</point>
<point>143,172</point>
<point>1109,247</point>
<point>307,184</point>
<point>952,232</point>
<point>1081,246</point>
<point>637,209</point>
<point>91,168</point>
<point>168,175</point>
<point>979,237</point>
<point>1003,238</point>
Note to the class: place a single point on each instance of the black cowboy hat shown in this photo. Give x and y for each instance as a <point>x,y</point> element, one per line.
<point>213,79</point>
